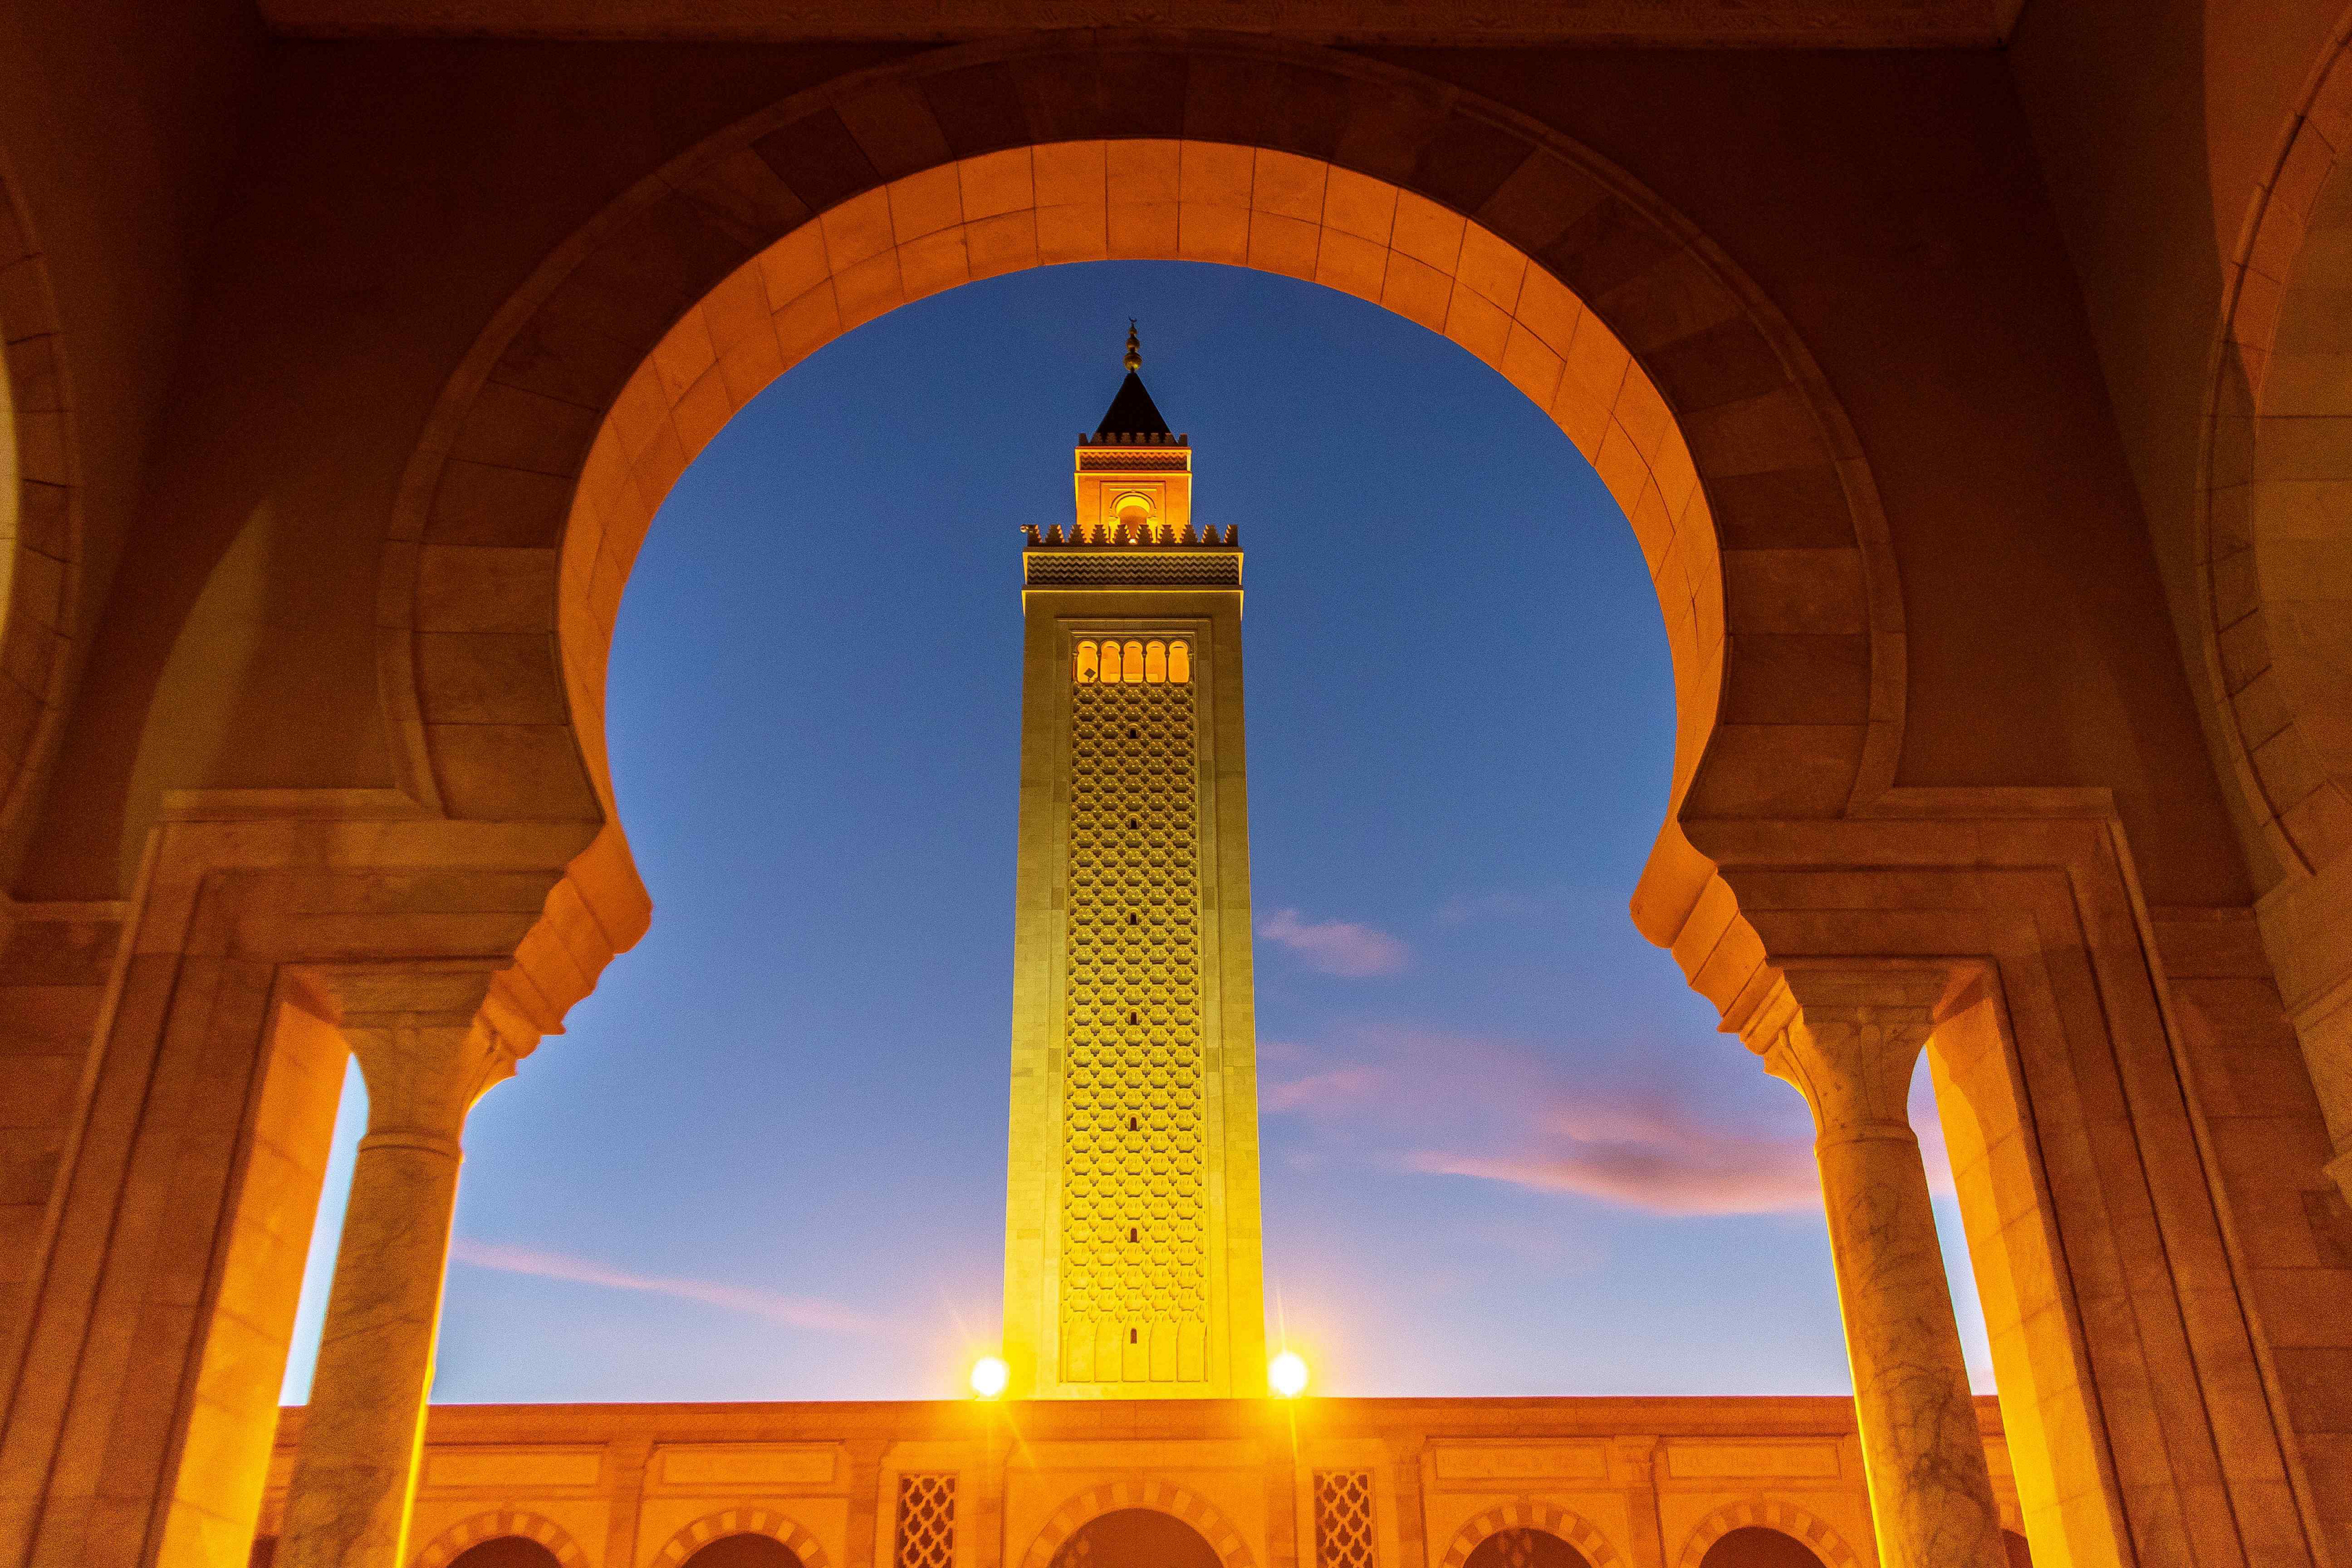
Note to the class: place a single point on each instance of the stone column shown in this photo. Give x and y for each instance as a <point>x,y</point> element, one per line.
<point>427,1056</point>
<point>1848,1038</point>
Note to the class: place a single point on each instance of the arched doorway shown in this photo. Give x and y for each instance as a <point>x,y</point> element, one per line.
<point>505,1552</point>
<point>1128,1538</point>
<point>745,1549</point>
<point>1527,1548</point>
<point>1758,1546</point>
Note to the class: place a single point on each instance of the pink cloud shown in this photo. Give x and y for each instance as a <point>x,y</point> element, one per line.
<point>794,1312</point>
<point>1672,1171</point>
<point>1499,1110</point>
<point>1335,947</point>
<point>1322,1091</point>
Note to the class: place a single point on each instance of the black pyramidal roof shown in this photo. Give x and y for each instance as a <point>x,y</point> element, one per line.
<point>1132,411</point>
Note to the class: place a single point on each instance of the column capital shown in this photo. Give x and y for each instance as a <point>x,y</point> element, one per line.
<point>1847,1034</point>
<point>432,1037</point>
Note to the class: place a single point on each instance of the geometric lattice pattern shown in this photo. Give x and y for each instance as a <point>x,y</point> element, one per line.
<point>1343,1519</point>
<point>926,1521</point>
<point>1134,1271</point>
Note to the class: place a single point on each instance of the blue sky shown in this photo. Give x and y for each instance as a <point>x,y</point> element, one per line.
<point>1506,1151</point>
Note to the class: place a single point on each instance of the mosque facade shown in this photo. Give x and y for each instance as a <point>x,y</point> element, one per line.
<point>1131,1421</point>
<point>1971,374</point>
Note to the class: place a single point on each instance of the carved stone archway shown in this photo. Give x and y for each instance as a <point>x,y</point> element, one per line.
<point>40,532</point>
<point>1771,1513</point>
<point>2288,751</point>
<point>553,447</point>
<point>1533,1513</point>
<point>764,1521</point>
<point>1164,1497</point>
<point>490,1525</point>
<point>2274,567</point>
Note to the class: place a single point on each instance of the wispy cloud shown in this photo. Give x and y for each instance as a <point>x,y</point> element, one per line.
<point>1465,909</point>
<point>794,1312</point>
<point>1654,1155</point>
<point>1335,947</point>
<point>1339,1088</point>
<point>1502,1111</point>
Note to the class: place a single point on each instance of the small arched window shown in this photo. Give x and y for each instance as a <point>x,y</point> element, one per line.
<point>1130,663</point>
<point>1087,663</point>
<point>1110,661</point>
<point>1155,662</point>
<point>1179,663</point>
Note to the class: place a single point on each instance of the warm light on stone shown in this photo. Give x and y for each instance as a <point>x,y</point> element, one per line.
<point>1131,1269</point>
<point>988,1376</point>
<point>1287,1374</point>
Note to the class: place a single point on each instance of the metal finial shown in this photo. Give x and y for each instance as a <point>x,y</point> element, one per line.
<point>1134,349</point>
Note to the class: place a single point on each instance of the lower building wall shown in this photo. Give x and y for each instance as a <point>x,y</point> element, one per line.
<point>1632,1483</point>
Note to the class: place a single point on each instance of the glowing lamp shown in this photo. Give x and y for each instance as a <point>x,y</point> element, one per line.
<point>988,1376</point>
<point>1286,1375</point>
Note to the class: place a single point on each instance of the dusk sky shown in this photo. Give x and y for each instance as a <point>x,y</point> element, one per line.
<point>1506,1151</point>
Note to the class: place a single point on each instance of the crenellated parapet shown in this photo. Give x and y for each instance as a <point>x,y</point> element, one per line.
<point>1130,553</point>
<point>1147,533</point>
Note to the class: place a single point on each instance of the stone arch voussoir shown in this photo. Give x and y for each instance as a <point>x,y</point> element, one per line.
<point>492,1525</point>
<point>1162,1496</point>
<point>43,554</point>
<point>597,384</point>
<point>1533,1513</point>
<point>1771,1513</point>
<point>2271,448</point>
<point>767,1522</point>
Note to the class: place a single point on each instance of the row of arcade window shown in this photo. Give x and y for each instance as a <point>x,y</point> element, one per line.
<point>1168,663</point>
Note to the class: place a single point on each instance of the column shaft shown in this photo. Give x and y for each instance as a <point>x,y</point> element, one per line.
<point>1850,1041</point>
<point>355,1475</point>
<point>1928,1482</point>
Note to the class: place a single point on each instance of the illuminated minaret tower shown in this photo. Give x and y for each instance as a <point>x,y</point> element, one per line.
<point>1132,1257</point>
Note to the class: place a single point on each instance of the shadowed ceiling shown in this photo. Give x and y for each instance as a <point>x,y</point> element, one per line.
<point>1687,23</point>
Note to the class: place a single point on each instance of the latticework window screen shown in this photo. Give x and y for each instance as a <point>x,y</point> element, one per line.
<point>926,1521</point>
<point>1343,1519</point>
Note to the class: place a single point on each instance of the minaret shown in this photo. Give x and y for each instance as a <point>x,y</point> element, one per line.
<point>1131,1255</point>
